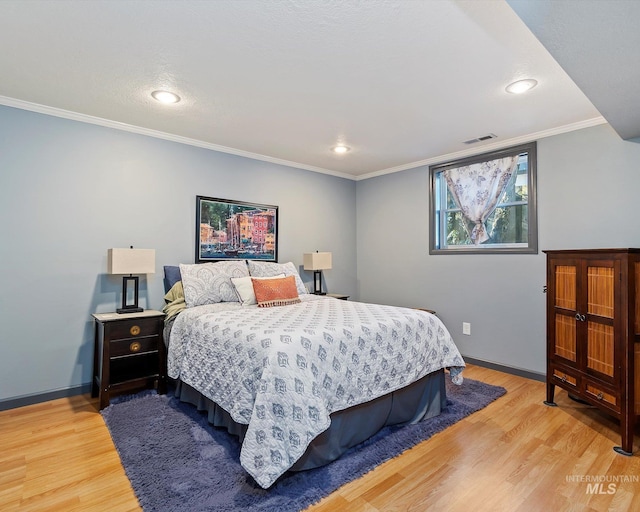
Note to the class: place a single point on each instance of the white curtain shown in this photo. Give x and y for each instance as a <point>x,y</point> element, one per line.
<point>476,190</point>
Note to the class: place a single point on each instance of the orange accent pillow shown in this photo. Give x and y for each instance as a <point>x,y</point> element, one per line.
<point>275,292</point>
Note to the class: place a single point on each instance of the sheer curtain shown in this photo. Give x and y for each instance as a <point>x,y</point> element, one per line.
<point>476,189</point>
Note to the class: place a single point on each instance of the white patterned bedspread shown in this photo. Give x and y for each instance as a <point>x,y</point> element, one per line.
<point>283,370</point>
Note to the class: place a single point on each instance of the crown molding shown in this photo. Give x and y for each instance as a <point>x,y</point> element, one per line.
<point>488,147</point>
<point>84,118</point>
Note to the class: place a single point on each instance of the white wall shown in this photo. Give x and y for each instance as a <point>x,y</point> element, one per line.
<point>588,183</point>
<point>70,190</point>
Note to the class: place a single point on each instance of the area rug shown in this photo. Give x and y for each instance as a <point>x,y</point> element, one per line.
<point>176,461</point>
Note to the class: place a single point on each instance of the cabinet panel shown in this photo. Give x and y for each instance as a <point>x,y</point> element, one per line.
<point>565,296</point>
<point>636,322</point>
<point>637,373</point>
<point>600,348</point>
<point>565,345</point>
<point>130,368</point>
<point>600,294</point>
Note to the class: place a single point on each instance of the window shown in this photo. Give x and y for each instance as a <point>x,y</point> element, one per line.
<point>485,204</point>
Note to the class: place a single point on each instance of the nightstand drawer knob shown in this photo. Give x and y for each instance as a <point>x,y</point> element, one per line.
<point>135,330</point>
<point>135,346</point>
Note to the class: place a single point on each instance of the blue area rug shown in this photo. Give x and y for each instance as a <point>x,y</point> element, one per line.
<point>176,461</point>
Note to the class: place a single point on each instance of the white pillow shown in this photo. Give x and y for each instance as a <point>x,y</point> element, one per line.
<point>269,269</point>
<point>244,288</point>
<point>208,283</point>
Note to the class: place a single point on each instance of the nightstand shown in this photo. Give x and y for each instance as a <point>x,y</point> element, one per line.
<point>129,354</point>
<point>338,296</point>
<point>427,310</point>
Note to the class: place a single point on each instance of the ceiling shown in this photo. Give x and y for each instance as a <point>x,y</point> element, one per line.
<point>598,44</point>
<point>402,83</point>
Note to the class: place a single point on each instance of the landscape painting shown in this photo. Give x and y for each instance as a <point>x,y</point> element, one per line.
<point>232,230</point>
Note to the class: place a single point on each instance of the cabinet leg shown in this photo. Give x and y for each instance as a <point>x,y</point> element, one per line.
<point>550,393</point>
<point>621,451</point>
<point>162,385</point>
<point>104,399</point>
<point>626,432</point>
<point>95,389</point>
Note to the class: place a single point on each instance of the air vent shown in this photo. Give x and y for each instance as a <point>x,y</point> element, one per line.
<point>480,139</point>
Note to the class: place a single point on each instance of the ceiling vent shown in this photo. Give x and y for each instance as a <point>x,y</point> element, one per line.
<point>480,139</point>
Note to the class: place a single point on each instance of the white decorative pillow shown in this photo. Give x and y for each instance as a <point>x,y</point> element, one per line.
<point>244,288</point>
<point>208,283</point>
<point>268,269</point>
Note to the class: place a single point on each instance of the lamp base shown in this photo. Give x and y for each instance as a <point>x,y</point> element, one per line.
<point>129,308</point>
<point>134,309</point>
<point>317,282</point>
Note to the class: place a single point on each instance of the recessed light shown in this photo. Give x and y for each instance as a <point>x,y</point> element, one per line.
<point>521,86</point>
<point>165,97</point>
<point>341,149</point>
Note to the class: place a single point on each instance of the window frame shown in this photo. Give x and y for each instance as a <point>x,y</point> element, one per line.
<point>532,207</point>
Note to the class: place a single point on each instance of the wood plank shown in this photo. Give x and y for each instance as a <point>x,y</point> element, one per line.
<point>516,454</point>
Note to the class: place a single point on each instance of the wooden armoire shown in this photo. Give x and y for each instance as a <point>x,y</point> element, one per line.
<point>593,331</point>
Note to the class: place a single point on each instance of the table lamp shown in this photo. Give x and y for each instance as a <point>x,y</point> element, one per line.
<point>131,261</point>
<point>317,261</point>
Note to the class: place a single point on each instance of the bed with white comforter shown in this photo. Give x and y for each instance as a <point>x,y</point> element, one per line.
<point>283,370</point>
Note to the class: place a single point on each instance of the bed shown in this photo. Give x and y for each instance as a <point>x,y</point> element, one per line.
<point>304,380</point>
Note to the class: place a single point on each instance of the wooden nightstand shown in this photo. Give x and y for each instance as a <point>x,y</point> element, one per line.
<point>338,296</point>
<point>427,310</point>
<point>129,354</point>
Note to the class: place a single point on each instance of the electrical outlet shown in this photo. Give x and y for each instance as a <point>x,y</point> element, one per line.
<point>466,328</point>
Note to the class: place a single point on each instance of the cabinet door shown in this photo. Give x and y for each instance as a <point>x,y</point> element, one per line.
<point>563,297</point>
<point>601,278</point>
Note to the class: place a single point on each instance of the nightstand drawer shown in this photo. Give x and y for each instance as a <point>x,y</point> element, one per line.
<point>133,346</point>
<point>133,328</point>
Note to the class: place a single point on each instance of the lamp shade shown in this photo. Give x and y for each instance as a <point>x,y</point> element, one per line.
<point>131,261</point>
<point>317,261</point>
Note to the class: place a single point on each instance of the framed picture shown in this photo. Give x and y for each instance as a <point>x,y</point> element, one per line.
<point>235,230</point>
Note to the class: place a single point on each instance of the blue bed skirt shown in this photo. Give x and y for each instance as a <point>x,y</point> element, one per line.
<point>421,400</point>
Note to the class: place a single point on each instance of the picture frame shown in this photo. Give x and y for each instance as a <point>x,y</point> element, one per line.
<point>235,230</point>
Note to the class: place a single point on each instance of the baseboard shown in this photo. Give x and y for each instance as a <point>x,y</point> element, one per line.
<point>21,401</point>
<point>528,374</point>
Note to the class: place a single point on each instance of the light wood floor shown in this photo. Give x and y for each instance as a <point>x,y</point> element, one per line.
<point>514,455</point>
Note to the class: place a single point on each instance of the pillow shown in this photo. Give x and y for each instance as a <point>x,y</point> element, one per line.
<point>244,288</point>
<point>208,283</point>
<point>173,302</point>
<point>275,292</point>
<point>268,269</point>
<point>171,277</point>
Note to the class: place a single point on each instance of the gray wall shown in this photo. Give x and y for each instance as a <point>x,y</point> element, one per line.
<point>588,183</point>
<point>70,190</point>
